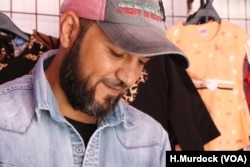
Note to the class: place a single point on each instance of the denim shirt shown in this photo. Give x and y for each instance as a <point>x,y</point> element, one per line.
<point>34,133</point>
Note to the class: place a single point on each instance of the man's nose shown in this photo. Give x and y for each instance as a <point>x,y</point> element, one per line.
<point>129,73</point>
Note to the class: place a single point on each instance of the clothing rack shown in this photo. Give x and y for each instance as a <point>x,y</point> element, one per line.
<point>235,11</point>
<point>38,14</point>
<point>202,2</point>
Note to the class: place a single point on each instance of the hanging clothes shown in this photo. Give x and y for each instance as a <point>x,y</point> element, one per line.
<point>18,57</point>
<point>166,92</point>
<point>216,52</point>
<point>247,78</point>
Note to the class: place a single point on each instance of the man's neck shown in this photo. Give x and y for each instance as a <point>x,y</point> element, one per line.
<point>79,116</point>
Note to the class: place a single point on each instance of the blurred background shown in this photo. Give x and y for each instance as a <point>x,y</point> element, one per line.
<point>43,15</point>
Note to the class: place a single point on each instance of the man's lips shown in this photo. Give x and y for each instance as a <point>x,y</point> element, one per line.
<point>114,90</point>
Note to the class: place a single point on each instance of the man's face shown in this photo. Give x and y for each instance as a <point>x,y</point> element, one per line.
<point>95,73</point>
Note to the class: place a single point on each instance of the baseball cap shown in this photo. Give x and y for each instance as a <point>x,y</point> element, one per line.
<point>136,26</point>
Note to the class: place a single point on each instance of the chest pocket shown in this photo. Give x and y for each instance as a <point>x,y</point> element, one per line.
<point>17,122</point>
<point>17,109</point>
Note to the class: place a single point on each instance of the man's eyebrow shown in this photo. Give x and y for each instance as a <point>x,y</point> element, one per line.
<point>147,58</point>
<point>112,45</point>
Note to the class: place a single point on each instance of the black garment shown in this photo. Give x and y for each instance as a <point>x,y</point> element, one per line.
<point>12,66</point>
<point>169,96</point>
<point>85,130</point>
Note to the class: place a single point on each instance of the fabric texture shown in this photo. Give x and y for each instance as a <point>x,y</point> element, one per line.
<point>19,60</point>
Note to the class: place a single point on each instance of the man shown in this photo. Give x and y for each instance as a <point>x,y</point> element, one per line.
<point>68,112</point>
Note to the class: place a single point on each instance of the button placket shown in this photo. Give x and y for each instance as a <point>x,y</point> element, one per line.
<point>77,148</point>
<point>91,155</point>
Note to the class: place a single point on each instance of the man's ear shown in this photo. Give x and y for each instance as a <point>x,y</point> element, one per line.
<point>69,27</point>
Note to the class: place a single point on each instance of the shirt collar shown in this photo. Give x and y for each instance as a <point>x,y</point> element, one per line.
<point>123,113</point>
<point>43,94</point>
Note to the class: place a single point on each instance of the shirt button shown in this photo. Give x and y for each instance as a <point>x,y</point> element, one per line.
<point>91,152</point>
<point>79,149</point>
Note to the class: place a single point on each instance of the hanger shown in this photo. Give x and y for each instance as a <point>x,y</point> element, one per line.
<point>189,5</point>
<point>205,13</point>
<point>6,25</point>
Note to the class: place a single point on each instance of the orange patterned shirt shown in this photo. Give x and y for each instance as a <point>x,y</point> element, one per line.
<point>216,54</point>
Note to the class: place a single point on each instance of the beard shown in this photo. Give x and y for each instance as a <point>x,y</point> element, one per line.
<point>77,89</point>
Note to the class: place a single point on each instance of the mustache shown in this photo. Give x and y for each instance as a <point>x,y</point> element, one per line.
<point>115,83</point>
